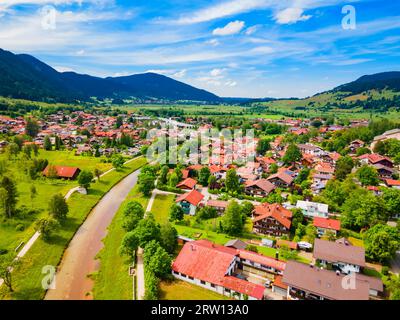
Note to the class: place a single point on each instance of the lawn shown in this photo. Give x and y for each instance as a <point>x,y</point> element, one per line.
<point>112,281</point>
<point>27,276</point>
<point>161,205</point>
<point>181,290</point>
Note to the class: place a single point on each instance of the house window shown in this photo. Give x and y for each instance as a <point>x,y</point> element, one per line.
<point>202,282</point>
<point>212,285</point>
<point>183,275</point>
<point>227,290</point>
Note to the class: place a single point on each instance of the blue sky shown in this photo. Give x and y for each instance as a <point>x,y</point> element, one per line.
<point>237,48</point>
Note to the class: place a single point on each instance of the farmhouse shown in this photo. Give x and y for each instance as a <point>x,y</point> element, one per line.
<point>271,219</point>
<point>259,188</point>
<point>62,172</point>
<point>187,184</point>
<point>225,270</point>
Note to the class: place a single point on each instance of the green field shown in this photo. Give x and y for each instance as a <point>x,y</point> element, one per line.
<point>20,228</point>
<point>112,281</point>
<point>161,205</point>
<point>181,290</point>
<point>27,276</point>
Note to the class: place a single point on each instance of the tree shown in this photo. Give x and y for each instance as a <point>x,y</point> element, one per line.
<point>8,196</point>
<point>119,122</point>
<point>85,178</point>
<point>247,208</point>
<point>212,181</point>
<point>368,176</point>
<point>169,237</point>
<point>292,154</point>
<point>173,180</point>
<point>133,213</point>
<point>163,175</point>
<point>343,167</point>
<point>206,213</point>
<point>157,259</point>
<point>204,175</point>
<point>33,193</point>
<point>263,146</point>
<point>146,183</point>
<point>310,233</point>
<point>47,143</point>
<point>391,198</point>
<point>273,168</point>
<point>46,227</point>
<point>147,230</point>
<point>117,161</point>
<point>130,244</point>
<point>297,218</point>
<point>393,285</point>
<point>303,175</point>
<point>381,243</point>
<point>58,207</point>
<point>97,173</point>
<point>31,127</point>
<point>232,183</point>
<point>6,263</point>
<point>232,221</point>
<point>362,209</point>
<point>176,213</point>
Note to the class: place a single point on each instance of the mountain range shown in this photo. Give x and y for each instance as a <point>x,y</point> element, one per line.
<point>23,76</point>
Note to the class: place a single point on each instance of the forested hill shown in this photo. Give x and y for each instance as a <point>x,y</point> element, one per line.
<point>23,76</point>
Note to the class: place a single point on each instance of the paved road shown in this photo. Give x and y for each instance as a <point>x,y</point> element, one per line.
<point>78,261</point>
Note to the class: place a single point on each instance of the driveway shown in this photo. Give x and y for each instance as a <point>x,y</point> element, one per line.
<point>79,260</point>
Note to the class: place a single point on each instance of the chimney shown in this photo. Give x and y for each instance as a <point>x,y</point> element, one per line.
<point>337,272</point>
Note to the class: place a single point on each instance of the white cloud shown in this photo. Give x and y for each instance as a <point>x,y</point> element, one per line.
<point>291,15</point>
<point>213,42</point>
<point>216,72</point>
<point>10,3</point>
<point>180,74</point>
<point>250,30</point>
<point>63,69</point>
<point>231,28</point>
<point>80,52</point>
<point>225,9</point>
<point>231,83</point>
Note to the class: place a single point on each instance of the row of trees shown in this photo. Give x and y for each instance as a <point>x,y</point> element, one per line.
<point>158,241</point>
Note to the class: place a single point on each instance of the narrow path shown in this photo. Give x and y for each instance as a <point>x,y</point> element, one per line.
<point>79,258</point>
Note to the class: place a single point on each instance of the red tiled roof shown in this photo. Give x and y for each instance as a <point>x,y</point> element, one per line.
<point>326,223</point>
<point>289,244</point>
<point>391,182</point>
<point>374,157</point>
<point>244,287</point>
<point>193,197</point>
<point>62,171</point>
<point>282,176</point>
<point>275,211</point>
<point>188,182</point>
<point>210,262</point>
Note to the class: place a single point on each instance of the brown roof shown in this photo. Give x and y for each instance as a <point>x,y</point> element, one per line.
<point>324,283</point>
<point>339,252</point>
<point>282,176</point>
<point>275,211</point>
<point>263,184</point>
<point>217,203</point>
